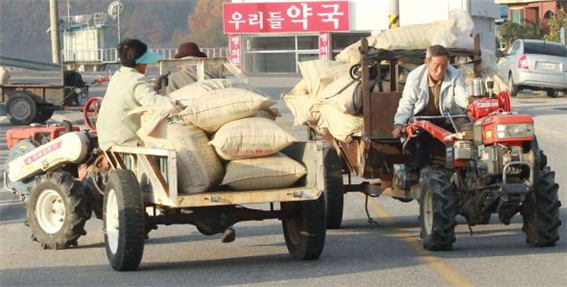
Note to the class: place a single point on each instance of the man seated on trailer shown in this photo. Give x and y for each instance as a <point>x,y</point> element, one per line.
<point>433,89</point>
<point>128,89</point>
<point>186,74</point>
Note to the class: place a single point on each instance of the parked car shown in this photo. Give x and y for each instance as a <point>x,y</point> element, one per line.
<point>536,65</point>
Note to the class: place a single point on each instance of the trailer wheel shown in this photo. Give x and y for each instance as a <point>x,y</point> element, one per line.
<point>334,193</point>
<point>540,211</point>
<point>123,221</point>
<point>21,108</point>
<point>56,211</point>
<point>304,227</point>
<point>438,210</point>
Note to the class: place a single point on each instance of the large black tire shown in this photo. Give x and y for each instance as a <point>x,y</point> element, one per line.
<point>438,209</point>
<point>551,93</point>
<point>512,86</point>
<point>57,211</point>
<point>123,221</point>
<point>21,109</point>
<point>334,193</point>
<point>540,211</point>
<point>42,115</point>
<point>304,227</point>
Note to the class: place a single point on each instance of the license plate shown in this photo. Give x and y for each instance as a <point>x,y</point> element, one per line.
<point>547,66</point>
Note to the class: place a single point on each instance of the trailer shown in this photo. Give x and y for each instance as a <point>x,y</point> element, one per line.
<point>26,103</point>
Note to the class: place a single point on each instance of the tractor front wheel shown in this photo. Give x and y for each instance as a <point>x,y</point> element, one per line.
<point>57,211</point>
<point>438,209</point>
<point>540,211</point>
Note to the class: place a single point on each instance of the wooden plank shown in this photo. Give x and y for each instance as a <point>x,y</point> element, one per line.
<point>140,150</point>
<point>381,111</point>
<point>159,187</point>
<point>248,197</point>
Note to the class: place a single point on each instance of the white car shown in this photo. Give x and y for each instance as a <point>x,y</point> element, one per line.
<point>536,65</point>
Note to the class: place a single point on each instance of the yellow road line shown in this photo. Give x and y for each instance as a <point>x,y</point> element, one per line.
<point>450,275</point>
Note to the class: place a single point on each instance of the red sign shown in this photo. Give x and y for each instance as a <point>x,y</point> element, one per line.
<point>38,155</point>
<point>275,17</point>
<point>324,46</point>
<point>235,48</point>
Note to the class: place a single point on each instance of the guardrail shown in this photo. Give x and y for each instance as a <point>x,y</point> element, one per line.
<point>110,55</point>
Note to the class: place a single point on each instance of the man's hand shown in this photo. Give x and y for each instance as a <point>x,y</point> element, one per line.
<point>397,131</point>
<point>157,82</point>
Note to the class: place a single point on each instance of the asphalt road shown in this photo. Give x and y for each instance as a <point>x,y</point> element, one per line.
<point>387,253</point>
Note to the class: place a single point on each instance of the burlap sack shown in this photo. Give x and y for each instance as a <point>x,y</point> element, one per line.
<point>4,75</point>
<point>419,36</point>
<point>222,106</point>
<point>275,171</point>
<point>250,137</point>
<point>340,125</point>
<point>198,166</point>
<point>300,107</point>
<point>195,90</point>
<point>312,71</point>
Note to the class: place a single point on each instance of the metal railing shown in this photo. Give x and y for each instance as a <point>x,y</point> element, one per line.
<point>110,55</point>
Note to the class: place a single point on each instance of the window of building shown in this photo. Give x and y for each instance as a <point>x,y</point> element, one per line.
<point>278,54</point>
<point>548,14</point>
<point>517,16</point>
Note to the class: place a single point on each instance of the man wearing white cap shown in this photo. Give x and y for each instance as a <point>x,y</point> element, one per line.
<point>128,89</point>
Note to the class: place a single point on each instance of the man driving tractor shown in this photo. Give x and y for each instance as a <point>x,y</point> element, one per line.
<point>433,89</point>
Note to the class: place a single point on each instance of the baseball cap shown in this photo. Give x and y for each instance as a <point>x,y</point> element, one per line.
<point>149,58</point>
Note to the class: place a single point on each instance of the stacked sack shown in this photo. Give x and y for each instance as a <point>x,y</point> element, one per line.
<point>224,124</point>
<point>325,99</point>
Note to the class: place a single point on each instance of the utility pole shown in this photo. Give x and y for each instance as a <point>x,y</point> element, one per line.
<point>54,28</point>
<point>119,11</point>
<point>393,14</point>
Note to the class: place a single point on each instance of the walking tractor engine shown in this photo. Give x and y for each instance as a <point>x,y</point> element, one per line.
<point>500,141</point>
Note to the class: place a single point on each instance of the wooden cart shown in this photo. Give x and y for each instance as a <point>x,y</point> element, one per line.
<point>26,103</point>
<point>141,192</point>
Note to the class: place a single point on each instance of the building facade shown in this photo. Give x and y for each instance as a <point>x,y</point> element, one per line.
<point>272,36</point>
<point>532,11</point>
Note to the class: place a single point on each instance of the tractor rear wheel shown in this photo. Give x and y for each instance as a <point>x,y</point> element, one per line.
<point>438,209</point>
<point>540,211</point>
<point>304,226</point>
<point>123,221</point>
<point>57,211</point>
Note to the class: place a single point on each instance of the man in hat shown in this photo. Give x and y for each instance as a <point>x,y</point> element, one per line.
<point>187,74</point>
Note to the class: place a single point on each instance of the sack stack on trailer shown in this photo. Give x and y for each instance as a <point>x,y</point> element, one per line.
<point>223,137</point>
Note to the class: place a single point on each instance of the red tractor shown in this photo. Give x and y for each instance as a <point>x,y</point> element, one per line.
<point>493,165</point>
<point>58,203</point>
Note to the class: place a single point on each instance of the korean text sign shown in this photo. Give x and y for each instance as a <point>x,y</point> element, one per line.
<point>276,17</point>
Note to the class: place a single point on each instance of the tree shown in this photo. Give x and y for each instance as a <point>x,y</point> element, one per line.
<point>555,23</point>
<point>205,24</point>
<point>512,31</point>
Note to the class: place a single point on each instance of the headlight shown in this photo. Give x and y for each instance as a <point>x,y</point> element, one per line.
<point>514,131</point>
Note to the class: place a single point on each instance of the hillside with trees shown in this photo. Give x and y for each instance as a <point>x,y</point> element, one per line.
<point>159,23</point>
